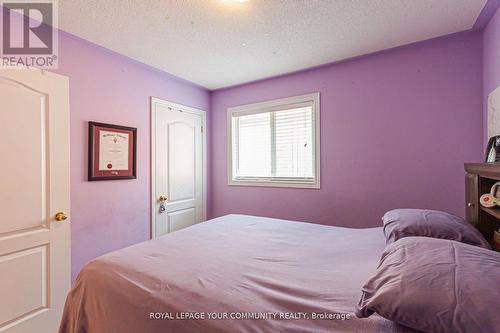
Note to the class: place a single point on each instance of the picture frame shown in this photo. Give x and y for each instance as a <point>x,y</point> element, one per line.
<point>112,152</point>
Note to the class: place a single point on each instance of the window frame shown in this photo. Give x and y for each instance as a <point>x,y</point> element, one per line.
<point>269,106</point>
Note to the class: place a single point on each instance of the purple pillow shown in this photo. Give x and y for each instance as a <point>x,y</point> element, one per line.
<point>400,223</point>
<point>435,285</point>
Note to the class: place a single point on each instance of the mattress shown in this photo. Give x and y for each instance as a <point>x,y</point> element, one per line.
<point>231,274</point>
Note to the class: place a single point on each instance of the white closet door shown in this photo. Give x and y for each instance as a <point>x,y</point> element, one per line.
<point>179,167</point>
<point>34,178</point>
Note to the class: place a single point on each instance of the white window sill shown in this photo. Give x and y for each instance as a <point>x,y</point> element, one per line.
<point>275,183</point>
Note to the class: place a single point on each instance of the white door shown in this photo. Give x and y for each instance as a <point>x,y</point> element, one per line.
<point>34,180</point>
<point>179,176</point>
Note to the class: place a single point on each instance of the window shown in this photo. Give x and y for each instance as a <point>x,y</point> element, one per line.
<point>275,143</point>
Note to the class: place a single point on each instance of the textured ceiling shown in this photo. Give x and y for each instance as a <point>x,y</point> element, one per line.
<point>219,43</point>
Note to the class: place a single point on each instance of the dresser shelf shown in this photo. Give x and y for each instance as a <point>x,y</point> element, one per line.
<point>495,212</point>
<point>479,179</point>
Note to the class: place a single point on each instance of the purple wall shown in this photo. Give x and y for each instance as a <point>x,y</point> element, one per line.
<point>108,87</point>
<point>396,128</point>
<point>405,118</point>
<point>491,63</point>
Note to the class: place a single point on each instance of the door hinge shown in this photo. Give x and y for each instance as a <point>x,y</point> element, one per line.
<point>201,129</point>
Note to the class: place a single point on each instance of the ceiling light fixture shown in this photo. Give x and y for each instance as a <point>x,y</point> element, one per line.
<point>232,3</point>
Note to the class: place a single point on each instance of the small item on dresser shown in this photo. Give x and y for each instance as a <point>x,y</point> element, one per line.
<point>490,200</point>
<point>493,150</point>
<point>496,240</point>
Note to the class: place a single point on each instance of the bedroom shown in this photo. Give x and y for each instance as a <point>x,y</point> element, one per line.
<point>301,131</point>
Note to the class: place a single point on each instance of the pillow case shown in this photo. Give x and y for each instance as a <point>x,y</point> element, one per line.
<point>435,285</point>
<point>400,223</point>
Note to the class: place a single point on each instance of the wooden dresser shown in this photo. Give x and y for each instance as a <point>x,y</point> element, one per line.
<point>479,179</point>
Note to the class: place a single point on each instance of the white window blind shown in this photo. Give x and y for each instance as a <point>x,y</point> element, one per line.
<point>275,144</point>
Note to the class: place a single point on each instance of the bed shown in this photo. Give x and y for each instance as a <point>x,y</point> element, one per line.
<point>231,274</point>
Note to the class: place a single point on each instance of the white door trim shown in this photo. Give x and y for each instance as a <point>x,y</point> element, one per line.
<point>157,101</point>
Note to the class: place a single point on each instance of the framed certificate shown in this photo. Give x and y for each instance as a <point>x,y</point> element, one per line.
<point>112,152</point>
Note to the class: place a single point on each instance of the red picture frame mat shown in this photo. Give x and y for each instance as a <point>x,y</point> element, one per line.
<point>94,172</point>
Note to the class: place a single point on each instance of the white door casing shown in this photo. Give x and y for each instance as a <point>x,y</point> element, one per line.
<point>34,179</point>
<point>178,165</point>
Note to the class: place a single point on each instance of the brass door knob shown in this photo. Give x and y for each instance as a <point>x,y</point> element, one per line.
<point>61,216</point>
<point>162,198</point>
